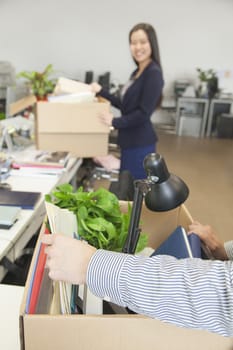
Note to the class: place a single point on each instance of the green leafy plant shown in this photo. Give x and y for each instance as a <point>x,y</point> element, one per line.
<point>210,79</point>
<point>100,220</point>
<point>206,75</point>
<point>40,82</point>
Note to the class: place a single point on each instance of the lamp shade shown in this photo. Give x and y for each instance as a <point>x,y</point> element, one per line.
<point>166,191</point>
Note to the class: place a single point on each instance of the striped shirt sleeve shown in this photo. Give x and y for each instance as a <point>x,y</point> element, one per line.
<point>191,293</point>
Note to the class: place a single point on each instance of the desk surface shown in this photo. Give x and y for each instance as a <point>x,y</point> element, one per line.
<point>10,300</point>
<point>13,240</point>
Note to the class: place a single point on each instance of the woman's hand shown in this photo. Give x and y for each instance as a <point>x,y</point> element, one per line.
<point>210,239</point>
<point>95,87</point>
<point>106,118</point>
<point>67,258</point>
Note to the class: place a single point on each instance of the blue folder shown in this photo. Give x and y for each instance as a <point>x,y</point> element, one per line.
<point>180,245</point>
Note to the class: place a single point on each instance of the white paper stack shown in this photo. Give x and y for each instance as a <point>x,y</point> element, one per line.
<point>65,222</point>
<point>62,221</point>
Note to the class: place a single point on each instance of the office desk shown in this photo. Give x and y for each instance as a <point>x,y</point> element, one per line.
<point>217,107</point>
<point>12,241</point>
<point>195,110</point>
<point>10,300</point>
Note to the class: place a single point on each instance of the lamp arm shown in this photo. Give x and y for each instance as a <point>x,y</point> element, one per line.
<point>134,230</point>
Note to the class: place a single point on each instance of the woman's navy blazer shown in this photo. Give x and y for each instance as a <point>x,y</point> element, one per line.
<point>137,105</point>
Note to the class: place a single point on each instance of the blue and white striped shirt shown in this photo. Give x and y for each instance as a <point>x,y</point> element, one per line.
<point>191,293</point>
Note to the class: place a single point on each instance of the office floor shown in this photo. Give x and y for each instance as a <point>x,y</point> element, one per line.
<point>206,165</point>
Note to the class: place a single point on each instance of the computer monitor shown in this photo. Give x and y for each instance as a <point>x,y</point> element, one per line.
<point>89,77</point>
<point>104,80</point>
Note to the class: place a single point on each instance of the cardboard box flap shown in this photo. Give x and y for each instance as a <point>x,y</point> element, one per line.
<point>65,85</point>
<point>159,225</point>
<point>21,104</point>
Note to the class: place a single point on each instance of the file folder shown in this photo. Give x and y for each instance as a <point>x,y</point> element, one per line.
<point>180,245</point>
<point>25,200</point>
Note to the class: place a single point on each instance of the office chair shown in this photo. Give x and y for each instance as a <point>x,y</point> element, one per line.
<point>124,187</point>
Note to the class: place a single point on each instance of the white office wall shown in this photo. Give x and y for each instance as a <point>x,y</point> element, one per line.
<point>76,36</point>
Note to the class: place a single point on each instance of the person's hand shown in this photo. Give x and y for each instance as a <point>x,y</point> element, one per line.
<point>210,239</point>
<point>95,87</point>
<point>106,118</point>
<point>67,258</point>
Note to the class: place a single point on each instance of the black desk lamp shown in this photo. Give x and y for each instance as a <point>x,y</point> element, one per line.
<point>162,192</point>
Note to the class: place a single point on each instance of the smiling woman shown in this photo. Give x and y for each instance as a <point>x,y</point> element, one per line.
<point>144,46</point>
<point>139,98</point>
<point>140,50</point>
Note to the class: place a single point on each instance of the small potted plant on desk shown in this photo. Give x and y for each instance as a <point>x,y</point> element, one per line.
<point>208,83</point>
<point>40,82</point>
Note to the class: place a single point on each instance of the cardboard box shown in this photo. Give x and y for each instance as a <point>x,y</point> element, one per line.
<point>72,127</point>
<point>118,332</point>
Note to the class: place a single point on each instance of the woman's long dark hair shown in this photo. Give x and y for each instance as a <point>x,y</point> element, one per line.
<point>152,37</point>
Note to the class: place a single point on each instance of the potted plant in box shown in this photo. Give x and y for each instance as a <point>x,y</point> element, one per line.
<point>99,220</point>
<point>41,83</point>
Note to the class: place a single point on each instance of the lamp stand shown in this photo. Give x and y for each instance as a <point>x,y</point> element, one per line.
<point>162,191</point>
<point>141,188</point>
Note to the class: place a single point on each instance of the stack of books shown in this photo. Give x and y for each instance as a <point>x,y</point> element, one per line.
<point>43,159</point>
<point>40,163</point>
